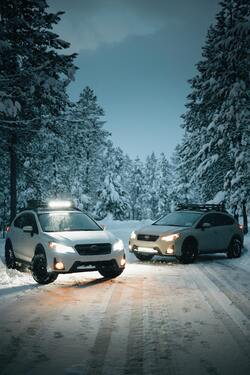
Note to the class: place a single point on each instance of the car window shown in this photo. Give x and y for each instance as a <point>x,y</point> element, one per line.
<point>179,219</point>
<point>224,220</point>
<point>26,219</point>
<point>30,220</point>
<point>67,221</point>
<point>19,221</point>
<point>209,218</point>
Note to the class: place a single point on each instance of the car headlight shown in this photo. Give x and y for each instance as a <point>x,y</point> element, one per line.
<point>118,245</point>
<point>59,248</point>
<point>170,238</point>
<point>133,235</point>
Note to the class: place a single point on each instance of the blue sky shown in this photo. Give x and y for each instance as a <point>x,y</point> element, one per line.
<point>137,55</point>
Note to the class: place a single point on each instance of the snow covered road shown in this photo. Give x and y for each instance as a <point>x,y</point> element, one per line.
<point>158,317</point>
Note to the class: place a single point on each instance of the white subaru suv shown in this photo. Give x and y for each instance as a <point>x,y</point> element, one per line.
<point>189,231</point>
<point>56,238</point>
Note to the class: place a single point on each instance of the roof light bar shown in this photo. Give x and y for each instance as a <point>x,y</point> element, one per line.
<point>60,204</point>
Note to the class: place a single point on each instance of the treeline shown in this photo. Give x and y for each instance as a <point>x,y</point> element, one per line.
<point>74,157</point>
<point>51,147</point>
<point>214,154</point>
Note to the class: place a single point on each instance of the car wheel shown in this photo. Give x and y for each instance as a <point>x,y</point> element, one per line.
<point>110,272</point>
<point>10,259</point>
<point>234,249</point>
<point>39,270</point>
<point>189,252</point>
<point>143,257</point>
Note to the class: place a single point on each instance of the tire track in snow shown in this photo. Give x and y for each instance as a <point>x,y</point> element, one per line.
<point>134,354</point>
<point>158,356</point>
<point>228,314</point>
<point>228,288</point>
<point>235,268</point>
<point>107,324</point>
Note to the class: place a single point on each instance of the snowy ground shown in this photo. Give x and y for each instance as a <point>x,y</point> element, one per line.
<point>158,317</point>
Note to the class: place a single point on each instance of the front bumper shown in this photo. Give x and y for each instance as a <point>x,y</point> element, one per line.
<point>159,247</point>
<point>82,263</point>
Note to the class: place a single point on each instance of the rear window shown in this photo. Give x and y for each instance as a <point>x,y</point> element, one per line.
<point>179,219</point>
<point>216,220</point>
<point>67,221</point>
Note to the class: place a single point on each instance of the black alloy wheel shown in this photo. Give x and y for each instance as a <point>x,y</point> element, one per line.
<point>143,257</point>
<point>110,271</point>
<point>234,249</point>
<point>189,252</point>
<point>39,270</point>
<point>10,259</point>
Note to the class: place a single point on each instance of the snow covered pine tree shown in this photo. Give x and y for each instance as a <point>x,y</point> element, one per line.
<point>33,76</point>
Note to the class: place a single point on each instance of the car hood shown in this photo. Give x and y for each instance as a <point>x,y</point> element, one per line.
<point>80,237</point>
<point>160,230</point>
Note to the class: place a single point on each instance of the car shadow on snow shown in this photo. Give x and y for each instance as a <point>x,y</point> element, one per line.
<point>86,284</point>
<point>16,289</point>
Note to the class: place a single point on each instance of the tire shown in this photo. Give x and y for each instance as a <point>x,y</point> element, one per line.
<point>110,272</point>
<point>39,270</point>
<point>235,248</point>
<point>10,259</point>
<point>143,257</point>
<point>189,252</point>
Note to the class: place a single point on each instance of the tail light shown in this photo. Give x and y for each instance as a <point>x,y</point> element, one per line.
<point>241,227</point>
<point>8,228</point>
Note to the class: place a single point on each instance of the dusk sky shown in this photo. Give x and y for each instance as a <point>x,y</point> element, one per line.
<point>137,55</point>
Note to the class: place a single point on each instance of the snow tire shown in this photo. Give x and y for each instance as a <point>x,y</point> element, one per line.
<point>143,257</point>
<point>189,252</point>
<point>10,259</point>
<point>39,270</point>
<point>234,249</point>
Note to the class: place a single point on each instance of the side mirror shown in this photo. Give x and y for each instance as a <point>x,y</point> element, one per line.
<point>28,229</point>
<point>205,225</point>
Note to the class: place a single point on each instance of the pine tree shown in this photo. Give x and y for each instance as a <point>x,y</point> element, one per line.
<point>217,120</point>
<point>88,139</point>
<point>33,75</point>
<point>137,190</point>
<point>165,185</point>
<point>152,185</point>
<point>112,195</point>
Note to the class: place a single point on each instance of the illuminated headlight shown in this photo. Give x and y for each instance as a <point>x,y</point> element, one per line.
<point>133,236</point>
<point>59,248</point>
<point>118,245</point>
<point>170,238</point>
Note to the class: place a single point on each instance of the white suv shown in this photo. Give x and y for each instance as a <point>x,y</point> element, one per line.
<point>189,231</point>
<point>57,238</point>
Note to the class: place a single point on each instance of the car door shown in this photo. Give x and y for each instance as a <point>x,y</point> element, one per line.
<point>28,241</point>
<point>225,226</point>
<point>208,238</point>
<point>17,235</point>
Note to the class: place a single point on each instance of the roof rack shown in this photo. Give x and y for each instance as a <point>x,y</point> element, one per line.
<point>201,207</point>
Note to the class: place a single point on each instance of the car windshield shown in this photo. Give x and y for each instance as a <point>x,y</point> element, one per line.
<point>66,221</point>
<point>179,219</point>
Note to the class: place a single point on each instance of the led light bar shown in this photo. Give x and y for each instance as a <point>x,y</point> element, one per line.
<point>60,204</point>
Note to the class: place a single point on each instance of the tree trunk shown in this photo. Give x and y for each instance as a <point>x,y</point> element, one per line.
<point>244,213</point>
<point>13,175</point>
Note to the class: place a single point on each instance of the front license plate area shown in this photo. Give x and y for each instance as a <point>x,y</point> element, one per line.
<point>148,250</point>
<point>85,267</point>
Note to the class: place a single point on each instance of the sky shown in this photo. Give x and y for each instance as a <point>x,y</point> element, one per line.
<point>137,55</point>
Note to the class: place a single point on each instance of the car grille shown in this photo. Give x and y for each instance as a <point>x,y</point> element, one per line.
<point>94,249</point>
<point>147,237</point>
